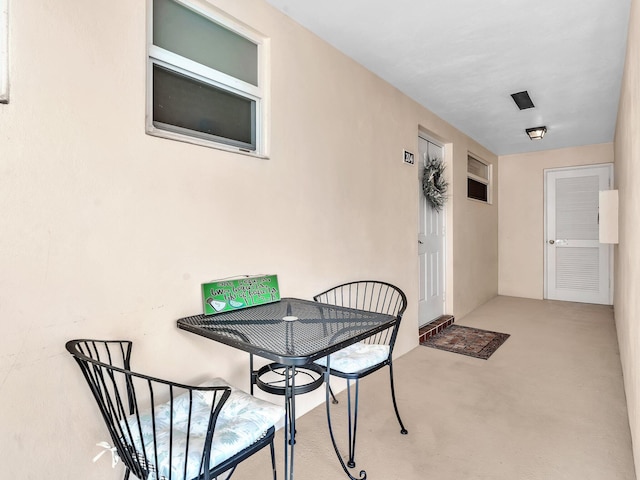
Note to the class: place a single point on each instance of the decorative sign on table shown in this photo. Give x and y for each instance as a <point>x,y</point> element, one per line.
<point>239,292</point>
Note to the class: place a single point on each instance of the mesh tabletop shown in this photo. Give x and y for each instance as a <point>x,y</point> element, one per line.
<point>319,329</point>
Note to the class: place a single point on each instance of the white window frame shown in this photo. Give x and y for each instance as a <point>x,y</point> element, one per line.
<point>177,63</point>
<point>4,51</point>
<point>486,181</point>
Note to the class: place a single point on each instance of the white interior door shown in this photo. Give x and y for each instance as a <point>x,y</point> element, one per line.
<point>431,242</point>
<point>577,265</point>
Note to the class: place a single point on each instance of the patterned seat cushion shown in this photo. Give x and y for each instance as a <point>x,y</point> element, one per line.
<point>356,357</point>
<point>243,420</point>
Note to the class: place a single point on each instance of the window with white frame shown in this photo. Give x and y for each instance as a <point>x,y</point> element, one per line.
<point>4,51</point>
<point>206,78</point>
<point>478,180</point>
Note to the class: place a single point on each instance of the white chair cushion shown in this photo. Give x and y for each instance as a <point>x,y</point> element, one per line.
<point>243,420</point>
<point>356,357</point>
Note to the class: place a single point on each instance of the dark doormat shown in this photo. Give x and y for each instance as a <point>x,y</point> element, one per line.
<point>473,342</point>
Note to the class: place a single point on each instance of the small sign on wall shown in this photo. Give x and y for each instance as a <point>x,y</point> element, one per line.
<point>408,158</point>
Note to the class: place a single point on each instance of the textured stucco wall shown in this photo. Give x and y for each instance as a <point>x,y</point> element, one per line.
<point>108,232</point>
<point>627,265</point>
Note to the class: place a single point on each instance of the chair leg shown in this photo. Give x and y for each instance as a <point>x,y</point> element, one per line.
<point>403,430</point>
<point>273,460</point>
<point>126,474</point>
<point>353,423</point>
<point>292,437</point>
<point>335,400</point>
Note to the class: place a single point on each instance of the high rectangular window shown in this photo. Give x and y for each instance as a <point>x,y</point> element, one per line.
<point>206,78</point>
<point>478,180</point>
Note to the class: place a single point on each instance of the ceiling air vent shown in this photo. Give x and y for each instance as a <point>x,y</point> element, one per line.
<point>523,100</point>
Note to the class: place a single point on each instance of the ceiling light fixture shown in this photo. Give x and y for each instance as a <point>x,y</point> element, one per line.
<point>523,100</point>
<point>536,133</point>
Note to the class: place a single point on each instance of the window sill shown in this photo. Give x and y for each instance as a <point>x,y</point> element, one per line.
<point>479,201</point>
<point>156,132</point>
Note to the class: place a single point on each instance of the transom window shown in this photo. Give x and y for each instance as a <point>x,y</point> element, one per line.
<point>478,180</point>
<point>206,80</point>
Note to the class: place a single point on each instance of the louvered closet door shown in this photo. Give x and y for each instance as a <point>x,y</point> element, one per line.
<point>577,264</point>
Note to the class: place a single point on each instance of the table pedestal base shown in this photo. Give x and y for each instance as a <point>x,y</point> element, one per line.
<point>287,381</point>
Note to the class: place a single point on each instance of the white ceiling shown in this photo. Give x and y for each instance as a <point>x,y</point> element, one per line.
<point>462,59</point>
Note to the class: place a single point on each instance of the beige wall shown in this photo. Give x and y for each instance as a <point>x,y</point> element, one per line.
<point>521,217</point>
<point>108,232</point>
<point>475,239</point>
<point>627,265</point>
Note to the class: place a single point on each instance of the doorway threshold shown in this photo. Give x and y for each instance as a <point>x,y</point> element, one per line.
<point>435,326</point>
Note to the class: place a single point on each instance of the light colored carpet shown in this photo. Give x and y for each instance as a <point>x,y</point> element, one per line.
<point>548,405</point>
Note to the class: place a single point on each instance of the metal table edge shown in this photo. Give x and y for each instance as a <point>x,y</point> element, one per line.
<point>286,360</point>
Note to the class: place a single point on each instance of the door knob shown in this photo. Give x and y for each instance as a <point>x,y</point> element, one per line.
<point>551,242</point>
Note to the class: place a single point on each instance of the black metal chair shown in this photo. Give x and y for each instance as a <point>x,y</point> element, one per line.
<point>363,358</point>
<point>163,430</point>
